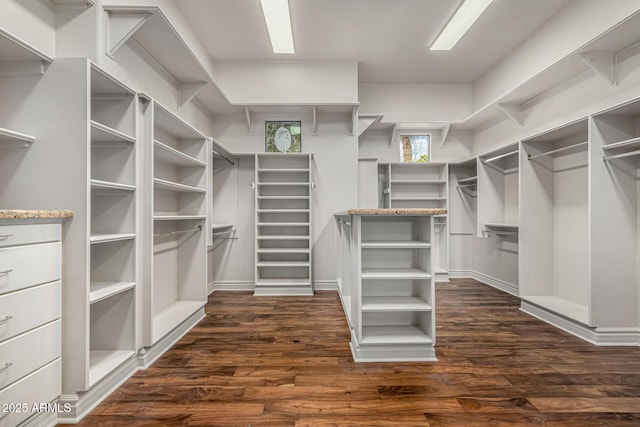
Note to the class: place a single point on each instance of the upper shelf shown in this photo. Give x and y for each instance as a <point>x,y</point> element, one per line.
<point>18,57</point>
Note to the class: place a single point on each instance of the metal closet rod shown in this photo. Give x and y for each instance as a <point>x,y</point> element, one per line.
<point>500,156</point>
<point>618,156</point>
<point>171,233</point>
<point>546,153</point>
<point>215,153</point>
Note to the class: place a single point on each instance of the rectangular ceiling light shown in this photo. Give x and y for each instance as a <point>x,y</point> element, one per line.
<point>278,19</point>
<point>459,24</point>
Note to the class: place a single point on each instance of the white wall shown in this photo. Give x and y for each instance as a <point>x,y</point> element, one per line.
<point>416,102</point>
<point>289,82</point>
<point>574,26</point>
<point>335,175</point>
<point>32,21</point>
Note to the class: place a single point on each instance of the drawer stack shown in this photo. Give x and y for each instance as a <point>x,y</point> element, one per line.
<point>30,307</point>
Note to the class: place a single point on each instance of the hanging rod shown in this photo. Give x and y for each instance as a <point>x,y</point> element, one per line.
<point>215,153</point>
<point>467,185</point>
<point>499,233</point>
<point>171,233</point>
<point>500,156</point>
<point>470,179</point>
<point>546,153</point>
<point>218,233</point>
<point>618,156</point>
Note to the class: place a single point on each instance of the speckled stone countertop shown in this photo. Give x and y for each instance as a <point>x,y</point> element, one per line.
<point>407,212</point>
<point>35,214</point>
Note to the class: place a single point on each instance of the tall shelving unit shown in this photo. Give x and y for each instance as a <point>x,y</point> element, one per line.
<point>113,231</point>
<point>283,224</point>
<point>176,260</point>
<point>554,255</point>
<point>387,286</point>
<point>421,185</point>
<point>615,223</point>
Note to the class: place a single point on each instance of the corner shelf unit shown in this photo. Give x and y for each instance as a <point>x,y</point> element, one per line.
<point>176,266</point>
<point>283,224</point>
<point>421,185</point>
<point>386,283</point>
<point>554,264</point>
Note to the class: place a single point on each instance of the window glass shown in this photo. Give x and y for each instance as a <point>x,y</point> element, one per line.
<point>415,148</point>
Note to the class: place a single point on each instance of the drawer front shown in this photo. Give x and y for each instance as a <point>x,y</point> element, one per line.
<point>25,353</point>
<point>42,386</point>
<point>29,308</point>
<point>11,235</point>
<point>24,266</point>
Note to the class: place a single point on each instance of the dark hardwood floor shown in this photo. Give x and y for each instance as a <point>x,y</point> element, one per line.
<point>285,361</point>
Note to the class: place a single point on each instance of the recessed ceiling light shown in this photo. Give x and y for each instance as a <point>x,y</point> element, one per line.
<point>278,19</point>
<point>459,24</point>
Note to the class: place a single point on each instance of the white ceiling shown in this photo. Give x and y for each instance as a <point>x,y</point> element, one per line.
<point>388,38</point>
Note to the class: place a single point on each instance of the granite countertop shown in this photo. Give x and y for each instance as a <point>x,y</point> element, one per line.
<point>407,212</point>
<point>35,214</point>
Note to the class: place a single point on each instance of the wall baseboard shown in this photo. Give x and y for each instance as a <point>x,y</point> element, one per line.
<point>83,403</point>
<point>325,285</point>
<point>232,285</point>
<point>41,419</point>
<point>596,336</point>
<point>496,283</point>
<point>460,274</point>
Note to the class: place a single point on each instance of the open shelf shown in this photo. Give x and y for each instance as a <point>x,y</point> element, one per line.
<point>394,273</point>
<point>161,184</point>
<point>284,250</point>
<point>394,303</point>
<point>496,225</point>
<point>262,264</point>
<point>98,185</point>
<point>566,308</point>
<point>391,244</point>
<point>419,181</point>
<point>169,155</point>
<point>103,362</point>
<point>13,137</point>
<point>171,316</point>
<point>102,290</point>
<point>102,133</point>
<point>106,238</point>
<point>178,217</point>
<point>402,334</point>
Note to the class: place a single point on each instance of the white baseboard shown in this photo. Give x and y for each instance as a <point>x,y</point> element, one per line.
<point>41,419</point>
<point>82,403</point>
<point>496,283</point>
<point>596,336</point>
<point>148,355</point>
<point>210,288</point>
<point>460,274</point>
<point>232,285</point>
<point>325,285</point>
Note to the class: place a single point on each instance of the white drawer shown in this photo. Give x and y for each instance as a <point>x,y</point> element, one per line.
<point>24,266</point>
<point>25,353</point>
<point>29,308</point>
<point>42,386</point>
<point>11,235</point>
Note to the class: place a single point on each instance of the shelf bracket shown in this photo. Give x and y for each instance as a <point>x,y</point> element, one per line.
<point>513,111</point>
<point>314,126</point>
<point>354,120</point>
<point>392,135</point>
<point>121,26</point>
<point>22,68</point>
<point>188,91</point>
<point>445,134</point>
<point>247,115</point>
<point>603,64</point>
<point>365,121</point>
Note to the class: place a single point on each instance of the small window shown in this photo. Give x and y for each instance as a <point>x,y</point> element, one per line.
<point>415,148</point>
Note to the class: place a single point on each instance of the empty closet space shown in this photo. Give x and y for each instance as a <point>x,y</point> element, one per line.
<point>554,267</point>
<point>463,212</point>
<point>179,174</point>
<point>615,181</point>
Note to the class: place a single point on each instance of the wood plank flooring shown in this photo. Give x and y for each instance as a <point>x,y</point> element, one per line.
<point>285,361</point>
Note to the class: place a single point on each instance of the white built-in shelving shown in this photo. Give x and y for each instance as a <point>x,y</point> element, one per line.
<point>283,224</point>
<point>420,185</point>
<point>554,236</point>
<point>386,284</point>
<point>463,211</point>
<point>175,264</point>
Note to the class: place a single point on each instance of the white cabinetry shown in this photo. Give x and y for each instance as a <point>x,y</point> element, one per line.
<point>30,319</point>
<point>554,238</point>
<point>175,262</point>
<point>386,285</point>
<point>283,224</point>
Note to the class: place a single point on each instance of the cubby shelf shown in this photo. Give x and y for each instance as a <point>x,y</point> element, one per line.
<point>166,154</point>
<point>389,335</point>
<point>283,224</point>
<point>394,303</point>
<point>102,290</point>
<point>114,237</point>
<point>178,217</point>
<point>102,362</point>
<point>99,185</point>
<point>161,184</point>
<point>171,316</point>
<point>394,273</point>
<point>102,133</point>
<point>391,244</point>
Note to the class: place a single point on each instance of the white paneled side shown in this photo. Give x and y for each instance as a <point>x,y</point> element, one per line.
<point>575,25</point>
<point>289,82</point>
<point>416,102</point>
<point>462,217</point>
<point>334,173</point>
<point>497,259</point>
<point>511,198</point>
<point>33,22</point>
<point>368,183</point>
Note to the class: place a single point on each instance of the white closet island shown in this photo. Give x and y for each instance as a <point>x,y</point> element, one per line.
<point>386,282</point>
